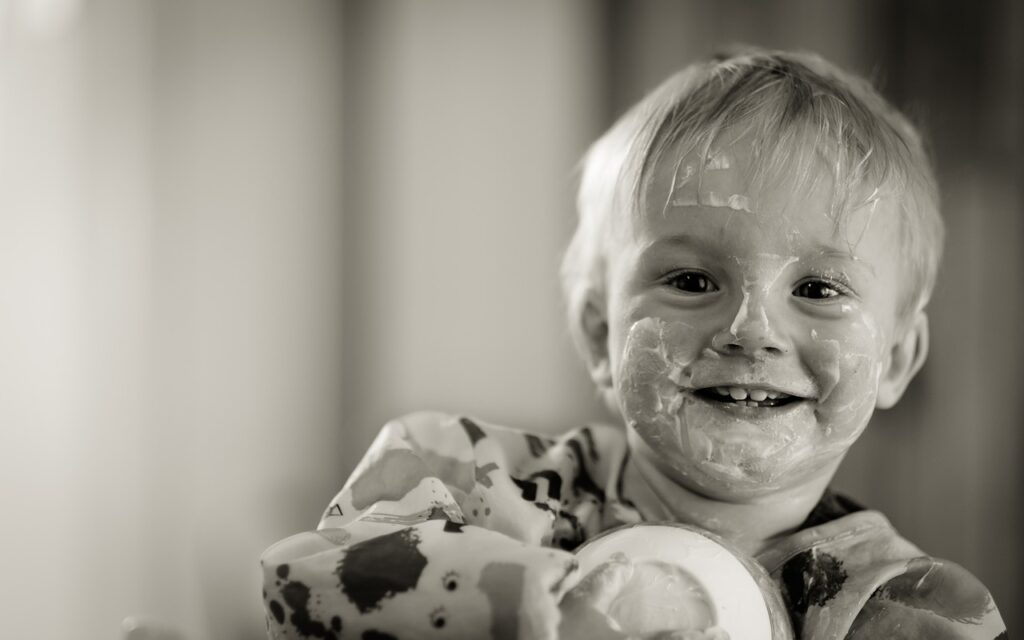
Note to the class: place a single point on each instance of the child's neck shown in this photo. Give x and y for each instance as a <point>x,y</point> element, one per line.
<point>750,525</point>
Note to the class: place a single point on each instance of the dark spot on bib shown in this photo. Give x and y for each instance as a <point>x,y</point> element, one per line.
<point>527,489</point>
<point>554,483</point>
<point>483,474</point>
<point>380,568</point>
<point>277,610</point>
<point>537,445</point>
<point>811,578</point>
<point>473,430</point>
<point>296,596</point>
<point>437,512</point>
<point>583,482</point>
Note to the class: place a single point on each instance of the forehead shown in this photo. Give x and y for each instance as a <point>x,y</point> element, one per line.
<point>730,172</point>
<point>724,187</point>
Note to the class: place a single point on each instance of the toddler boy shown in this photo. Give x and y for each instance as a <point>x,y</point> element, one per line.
<point>757,241</point>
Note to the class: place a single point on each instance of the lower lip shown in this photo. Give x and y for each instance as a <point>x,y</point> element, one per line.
<point>736,436</point>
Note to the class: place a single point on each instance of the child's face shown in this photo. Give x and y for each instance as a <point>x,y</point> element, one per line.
<point>748,333</point>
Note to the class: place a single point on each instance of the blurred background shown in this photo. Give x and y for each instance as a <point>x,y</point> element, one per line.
<point>236,236</point>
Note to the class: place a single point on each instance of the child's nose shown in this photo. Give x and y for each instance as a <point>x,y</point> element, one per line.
<point>751,331</point>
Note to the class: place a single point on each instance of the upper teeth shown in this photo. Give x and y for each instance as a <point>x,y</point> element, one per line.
<point>739,393</point>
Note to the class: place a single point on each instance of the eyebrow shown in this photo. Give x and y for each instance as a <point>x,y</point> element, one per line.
<point>830,251</point>
<point>687,241</point>
<point>661,247</point>
<point>681,240</point>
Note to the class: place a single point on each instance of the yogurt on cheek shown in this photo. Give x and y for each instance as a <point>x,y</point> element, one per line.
<point>654,367</point>
<point>845,360</point>
<point>721,446</point>
<point>704,444</point>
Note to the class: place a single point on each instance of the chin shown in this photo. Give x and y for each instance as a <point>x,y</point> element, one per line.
<point>732,482</point>
<point>743,479</point>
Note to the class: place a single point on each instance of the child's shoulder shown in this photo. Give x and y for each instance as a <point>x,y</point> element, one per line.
<point>854,575</point>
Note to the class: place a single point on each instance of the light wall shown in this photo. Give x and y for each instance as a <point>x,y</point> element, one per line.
<point>464,123</point>
<point>170,250</point>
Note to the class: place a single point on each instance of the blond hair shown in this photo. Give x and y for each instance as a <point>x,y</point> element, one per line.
<point>796,109</point>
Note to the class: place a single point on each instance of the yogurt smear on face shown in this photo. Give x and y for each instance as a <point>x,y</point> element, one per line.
<point>747,347</point>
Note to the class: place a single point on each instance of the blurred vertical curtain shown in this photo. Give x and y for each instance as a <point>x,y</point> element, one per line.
<point>169,324</point>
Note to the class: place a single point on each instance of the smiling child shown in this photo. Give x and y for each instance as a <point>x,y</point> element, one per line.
<point>757,242</point>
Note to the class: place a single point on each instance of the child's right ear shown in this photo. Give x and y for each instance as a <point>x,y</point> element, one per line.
<point>594,324</point>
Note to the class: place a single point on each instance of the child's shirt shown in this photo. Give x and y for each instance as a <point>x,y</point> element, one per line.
<point>450,527</point>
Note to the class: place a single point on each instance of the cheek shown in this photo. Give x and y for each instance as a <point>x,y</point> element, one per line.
<point>655,361</point>
<point>846,362</point>
<point>638,334</point>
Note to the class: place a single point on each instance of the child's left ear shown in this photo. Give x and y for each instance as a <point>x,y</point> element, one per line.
<point>906,358</point>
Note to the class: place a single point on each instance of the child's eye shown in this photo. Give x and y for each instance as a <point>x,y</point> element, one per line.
<point>817,290</point>
<point>692,282</point>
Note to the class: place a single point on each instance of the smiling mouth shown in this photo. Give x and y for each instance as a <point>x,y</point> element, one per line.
<point>746,397</point>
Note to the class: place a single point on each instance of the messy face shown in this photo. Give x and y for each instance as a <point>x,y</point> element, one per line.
<point>748,331</point>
